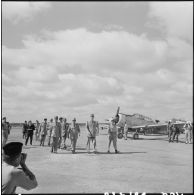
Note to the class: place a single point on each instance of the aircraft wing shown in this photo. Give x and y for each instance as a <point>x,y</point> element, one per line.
<point>156,125</point>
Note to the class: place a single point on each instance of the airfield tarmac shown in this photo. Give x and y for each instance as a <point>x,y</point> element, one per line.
<point>149,164</point>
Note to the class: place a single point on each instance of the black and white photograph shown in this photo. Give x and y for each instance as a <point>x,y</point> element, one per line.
<point>97,97</point>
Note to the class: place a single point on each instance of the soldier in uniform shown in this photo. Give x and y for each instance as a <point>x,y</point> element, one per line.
<point>112,134</point>
<point>176,133</point>
<point>65,128</point>
<point>12,176</point>
<point>92,130</point>
<point>49,131</point>
<point>173,132</point>
<point>74,131</point>
<point>43,132</point>
<point>61,124</point>
<point>170,131</point>
<point>5,126</point>
<point>24,129</point>
<point>37,126</point>
<point>55,134</point>
<point>125,131</point>
<point>188,129</point>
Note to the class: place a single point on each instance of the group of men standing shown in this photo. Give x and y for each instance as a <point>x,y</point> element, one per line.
<point>59,131</point>
<point>174,131</point>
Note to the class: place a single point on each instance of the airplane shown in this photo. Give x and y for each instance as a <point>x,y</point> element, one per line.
<point>140,124</point>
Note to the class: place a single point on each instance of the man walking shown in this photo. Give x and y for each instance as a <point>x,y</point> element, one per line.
<point>5,126</point>
<point>37,126</point>
<point>49,131</point>
<point>61,126</point>
<point>43,132</point>
<point>74,131</point>
<point>92,130</point>
<point>65,127</point>
<point>12,176</point>
<point>112,134</point>
<point>55,134</point>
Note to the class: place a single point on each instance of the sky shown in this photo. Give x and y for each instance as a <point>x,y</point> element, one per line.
<point>72,59</point>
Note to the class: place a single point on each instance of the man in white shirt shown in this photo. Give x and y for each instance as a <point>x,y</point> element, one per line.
<point>92,130</point>
<point>55,134</point>
<point>188,129</point>
<point>43,132</point>
<point>12,175</point>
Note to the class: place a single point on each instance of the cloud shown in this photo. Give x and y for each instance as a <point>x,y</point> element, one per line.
<point>17,11</point>
<point>79,70</point>
<point>174,18</point>
<point>116,50</point>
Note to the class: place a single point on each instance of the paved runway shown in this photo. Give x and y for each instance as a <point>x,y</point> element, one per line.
<point>149,164</point>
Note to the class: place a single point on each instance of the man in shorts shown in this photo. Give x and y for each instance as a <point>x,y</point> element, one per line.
<point>92,130</point>
<point>112,134</point>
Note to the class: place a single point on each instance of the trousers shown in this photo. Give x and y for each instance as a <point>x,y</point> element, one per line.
<point>188,135</point>
<point>73,140</point>
<point>29,135</point>
<point>4,137</point>
<point>54,144</point>
<point>42,141</point>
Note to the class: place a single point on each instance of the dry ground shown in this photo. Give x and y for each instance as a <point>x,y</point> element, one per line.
<point>149,164</point>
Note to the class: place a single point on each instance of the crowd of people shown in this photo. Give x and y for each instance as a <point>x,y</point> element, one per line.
<point>15,172</point>
<point>174,131</point>
<point>57,132</point>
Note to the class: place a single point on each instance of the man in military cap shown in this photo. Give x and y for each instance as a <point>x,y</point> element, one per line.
<point>55,134</point>
<point>43,132</point>
<point>65,128</point>
<point>74,131</point>
<point>49,131</point>
<point>61,124</point>
<point>5,126</point>
<point>112,134</point>
<point>37,126</point>
<point>12,175</point>
<point>92,130</point>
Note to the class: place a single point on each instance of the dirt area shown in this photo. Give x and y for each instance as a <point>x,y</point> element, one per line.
<point>149,164</point>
